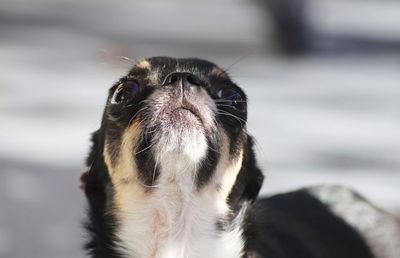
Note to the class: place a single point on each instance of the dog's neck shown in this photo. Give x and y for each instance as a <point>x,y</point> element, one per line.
<point>177,220</point>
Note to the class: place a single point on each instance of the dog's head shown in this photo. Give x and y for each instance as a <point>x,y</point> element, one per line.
<point>173,121</point>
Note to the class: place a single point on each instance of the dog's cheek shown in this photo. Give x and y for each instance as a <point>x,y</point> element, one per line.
<point>226,171</point>
<point>230,175</point>
<point>123,168</point>
<point>83,178</point>
<point>249,180</point>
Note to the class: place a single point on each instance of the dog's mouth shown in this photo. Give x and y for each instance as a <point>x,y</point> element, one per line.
<point>181,119</point>
<point>184,114</point>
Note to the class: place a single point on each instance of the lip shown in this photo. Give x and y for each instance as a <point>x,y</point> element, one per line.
<point>183,108</point>
<point>188,110</point>
<point>192,109</point>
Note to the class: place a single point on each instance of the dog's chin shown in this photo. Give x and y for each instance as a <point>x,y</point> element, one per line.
<point>181,137</point>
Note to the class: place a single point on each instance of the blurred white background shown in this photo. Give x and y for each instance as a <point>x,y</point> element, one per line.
<point>327,112</point>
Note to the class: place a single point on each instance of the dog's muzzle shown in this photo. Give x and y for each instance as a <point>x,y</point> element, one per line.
<point>182,87</point>
<point>181,104</point>
<point>182,116</point>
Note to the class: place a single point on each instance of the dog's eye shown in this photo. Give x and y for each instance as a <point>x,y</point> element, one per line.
<point>231,97</point>
<point>125,91</point>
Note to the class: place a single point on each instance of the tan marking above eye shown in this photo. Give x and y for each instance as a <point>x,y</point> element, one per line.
<point>144,64</point>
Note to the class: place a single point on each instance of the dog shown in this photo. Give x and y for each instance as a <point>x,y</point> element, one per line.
<point>172,173</point>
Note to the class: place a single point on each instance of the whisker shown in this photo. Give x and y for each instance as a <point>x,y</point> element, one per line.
<point>238,60</point>
<point>142,184</point>
<point>222,105</point>
<point>150,132</point>
<point>136,115</point>
<point>221,112</point>
<point>125,58</point>
<point>133,105</point>
<point>226,100</point>
<point>146,101</point>
<point>145,149</point>
<point>154,172</point>
<point>214,150</point>
<point>149,186</point>
<point>129,106</point>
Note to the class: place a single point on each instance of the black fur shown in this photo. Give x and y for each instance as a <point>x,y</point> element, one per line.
<point>147,163</point>
<point>297,225</point>
<point>101,225</point>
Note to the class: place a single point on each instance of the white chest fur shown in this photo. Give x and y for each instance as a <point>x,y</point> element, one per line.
<point>177,221</point>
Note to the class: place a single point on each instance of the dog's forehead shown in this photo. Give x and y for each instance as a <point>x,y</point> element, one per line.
<point>156,69</point>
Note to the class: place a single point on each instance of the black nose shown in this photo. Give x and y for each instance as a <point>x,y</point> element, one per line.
<point>181,79</point>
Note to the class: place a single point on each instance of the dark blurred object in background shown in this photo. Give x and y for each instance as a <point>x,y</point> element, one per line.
<point>289,23</point>
<point>304,26</point>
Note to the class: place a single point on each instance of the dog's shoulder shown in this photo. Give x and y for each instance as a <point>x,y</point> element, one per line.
<point>321,221</point>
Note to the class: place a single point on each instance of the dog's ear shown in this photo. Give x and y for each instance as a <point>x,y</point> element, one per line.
<point>249,180</point>
<point>95,176</point>
<point>84,178</point>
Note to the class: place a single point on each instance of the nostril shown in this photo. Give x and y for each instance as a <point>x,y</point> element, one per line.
<point>192,79</point>
<point>181,78</point>
<point>173,79</point>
